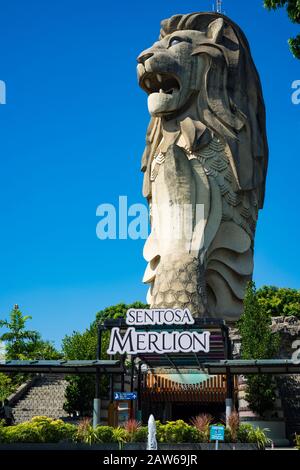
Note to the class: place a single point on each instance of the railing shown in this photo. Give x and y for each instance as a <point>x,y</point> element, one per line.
<point>160,388</point>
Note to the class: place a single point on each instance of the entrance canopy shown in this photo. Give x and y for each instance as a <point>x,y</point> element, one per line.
<point>62,367</point>
<point>247,367</point>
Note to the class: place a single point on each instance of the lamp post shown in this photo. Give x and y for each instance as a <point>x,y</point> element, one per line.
<point>97,401</point>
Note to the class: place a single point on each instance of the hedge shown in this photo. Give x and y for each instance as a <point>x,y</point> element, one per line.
<point>42,429</point>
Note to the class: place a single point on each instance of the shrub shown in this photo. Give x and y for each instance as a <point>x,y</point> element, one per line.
<point>233,425</point>
<point>227,436</point>
<point>178,431</point>
<point>85,432</point>
<point>202,423</point>
<point>297,441</point>
<point>40,429</point>
<point>243,432</point>
<point>105,434</point>
<point>258,436</point>
<point>43,429</point>
<point>53,430</point>
<point>141,435</point>
<point>121,436</point>
<point>159,431</point>
<point>132,426</point>
<point>22,433</point>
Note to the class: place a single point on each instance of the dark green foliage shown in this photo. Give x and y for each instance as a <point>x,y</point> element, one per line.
<point>261,393</point>
<point>105,434</point>
<point>293,11</point>
<point>258,342</point>
<point>80,345</point>
<point>278,301</point>
<point>228,437</point>
<point>117,311</point>
<point>6,386</point>
<point>81,390</point>
<point>295,46</point>
<point>40,349</point>
<point>243,432</point>
<point>292,8</point>
<point>79,394</point>
<point>141,435</point>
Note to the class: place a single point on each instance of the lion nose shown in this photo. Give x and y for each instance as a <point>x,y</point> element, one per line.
<point>144,56</point>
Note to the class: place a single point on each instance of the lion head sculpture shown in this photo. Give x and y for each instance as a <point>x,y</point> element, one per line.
<point>206,106</point>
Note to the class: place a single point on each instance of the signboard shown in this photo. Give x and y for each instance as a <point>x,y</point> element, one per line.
<point>125,395</point>
<point>160,342</point>
<point>217,433</point>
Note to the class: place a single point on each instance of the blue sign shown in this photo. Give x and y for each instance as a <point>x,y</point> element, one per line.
<point>125,395</point>
<point>217,433</point>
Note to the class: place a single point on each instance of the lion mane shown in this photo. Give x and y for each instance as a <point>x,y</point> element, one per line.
<point>230,104</point>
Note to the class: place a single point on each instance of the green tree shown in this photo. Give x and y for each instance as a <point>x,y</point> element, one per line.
<point>279,301</point>
<point>258,342</point>
<point>293,11</point>
<point>40,349</point>
<point>6,386</point>
<point>22,343</point>
<point>81,389</point>
<point>17,337</point>
<point>117,311</point>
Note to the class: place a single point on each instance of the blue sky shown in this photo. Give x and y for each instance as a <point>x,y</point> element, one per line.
<point>72,135</point>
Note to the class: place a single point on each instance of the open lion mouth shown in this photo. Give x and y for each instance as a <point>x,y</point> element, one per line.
<point>159,83</point>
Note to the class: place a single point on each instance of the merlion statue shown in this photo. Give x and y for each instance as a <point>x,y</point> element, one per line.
<point>206,147</point>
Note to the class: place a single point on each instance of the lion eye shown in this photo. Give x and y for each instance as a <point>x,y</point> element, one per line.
<point>175,41</point>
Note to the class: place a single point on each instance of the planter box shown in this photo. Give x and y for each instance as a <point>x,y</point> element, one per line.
<point>208,446</point>
<point>61,446</point>
<point>68,446</point>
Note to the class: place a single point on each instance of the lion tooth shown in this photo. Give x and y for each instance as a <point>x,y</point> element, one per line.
<point>159,78</point>
<point>161,90</point>
<point>148,83</point>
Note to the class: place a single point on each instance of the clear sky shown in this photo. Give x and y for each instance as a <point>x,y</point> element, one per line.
<point>72,134</point>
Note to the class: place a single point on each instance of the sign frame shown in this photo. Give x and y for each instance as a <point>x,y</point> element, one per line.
<point>217,433</point>
<point>125,396</point>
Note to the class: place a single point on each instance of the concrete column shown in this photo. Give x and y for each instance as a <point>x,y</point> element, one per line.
<point>96,412</point>
<point>228,404</point>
